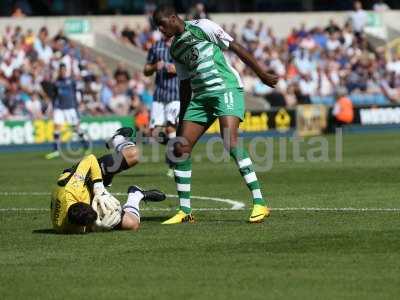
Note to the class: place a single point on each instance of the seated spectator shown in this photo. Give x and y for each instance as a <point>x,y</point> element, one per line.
<point>4,113</point>
<point>119,103</point>
<point>121,74</point>
<point>304,62</point>
<point>333,42</point>
<point>42,47</point>
<point>293,40</point>
<point>249,33</point>
<point>332,27</point>
<point>320,37</point>
<point>7,66</point>
<point>276,64</point>
<point>146,97</point>
<point>145,38</point>
<point>106,94</point>
<point>389,87</point>
<point>302,32</point>
<point>307,42</point>
<point>262,33</point>
<point>393,65</point>
<point>261,89</point>
<point>34,107</point>
<point>307,87</point>
<point>327,81</point>
<point>290,96</point>
<point>233,31</point>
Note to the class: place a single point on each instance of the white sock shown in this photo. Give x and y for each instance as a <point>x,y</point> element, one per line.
<point>172,135</point>
<point>132,204</point>
<point>118,140</point>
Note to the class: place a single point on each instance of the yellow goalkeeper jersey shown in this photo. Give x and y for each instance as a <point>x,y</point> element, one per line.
<point>71,188</point>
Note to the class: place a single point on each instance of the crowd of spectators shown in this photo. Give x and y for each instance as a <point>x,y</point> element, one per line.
<point>29,64</point>
<point>316,62</point>
<point>310,62</point>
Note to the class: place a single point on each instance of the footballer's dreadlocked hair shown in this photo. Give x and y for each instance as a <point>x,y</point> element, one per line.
<point>81,214</point>
<point>163,11</point>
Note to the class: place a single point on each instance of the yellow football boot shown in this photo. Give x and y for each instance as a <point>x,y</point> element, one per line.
<point>180,217</point>
<point>259,213</point>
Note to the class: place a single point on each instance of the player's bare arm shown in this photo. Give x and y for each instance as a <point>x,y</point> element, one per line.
<point>267,78</point>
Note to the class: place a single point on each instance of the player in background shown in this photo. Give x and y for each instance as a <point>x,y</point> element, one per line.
<point>80,203</point>
<point>165,107</point>
<point>209,88</point>
<point>65,110</point>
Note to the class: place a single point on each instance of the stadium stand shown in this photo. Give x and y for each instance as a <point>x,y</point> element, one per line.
<point>29,61</point>
<point>312,62</point>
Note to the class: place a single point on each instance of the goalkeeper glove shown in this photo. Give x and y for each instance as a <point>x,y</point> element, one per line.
<point>106,202</point>
<point>109,221</point>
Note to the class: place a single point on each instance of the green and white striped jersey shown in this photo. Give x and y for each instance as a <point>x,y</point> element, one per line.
<point>198,56</point>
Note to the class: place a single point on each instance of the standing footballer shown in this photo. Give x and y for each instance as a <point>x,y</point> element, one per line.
<point>209,88</point>
<point>165,107</point>
<point>65,109</point>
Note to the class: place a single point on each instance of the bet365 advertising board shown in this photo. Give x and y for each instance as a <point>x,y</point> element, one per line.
<point>41,131</point>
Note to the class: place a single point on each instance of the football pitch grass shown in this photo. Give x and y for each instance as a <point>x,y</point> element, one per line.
<point>334,232</point>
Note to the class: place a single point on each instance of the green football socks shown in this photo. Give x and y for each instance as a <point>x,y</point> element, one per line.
<point>249,175</point>
<point>183,179</point>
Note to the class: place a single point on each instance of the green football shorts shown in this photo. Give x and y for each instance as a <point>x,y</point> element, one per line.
<point>205,108</point>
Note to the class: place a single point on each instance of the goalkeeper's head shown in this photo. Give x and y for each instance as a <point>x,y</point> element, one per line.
<point>81,214</point>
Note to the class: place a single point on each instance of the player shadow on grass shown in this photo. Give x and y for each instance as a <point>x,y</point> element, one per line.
<point>44,231</point>
<point>160,219</point>
<point>157,219</point>
<point>135,174</point>
<point>153,219</point>
<point>52,231</point>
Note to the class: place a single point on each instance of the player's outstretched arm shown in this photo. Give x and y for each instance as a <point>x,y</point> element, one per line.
<point>267,78</point>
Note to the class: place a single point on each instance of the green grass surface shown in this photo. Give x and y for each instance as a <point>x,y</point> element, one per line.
<point>295,254</point>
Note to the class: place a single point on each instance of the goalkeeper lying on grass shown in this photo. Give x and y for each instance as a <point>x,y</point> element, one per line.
<point>80,203</point>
